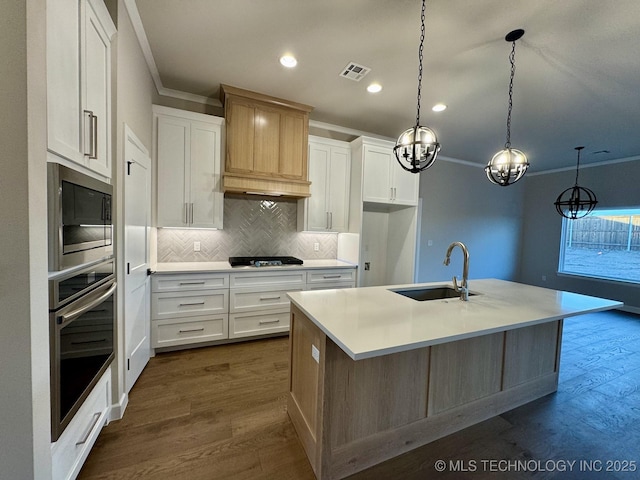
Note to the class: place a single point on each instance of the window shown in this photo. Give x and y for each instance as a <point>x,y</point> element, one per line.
<point>604,244</point>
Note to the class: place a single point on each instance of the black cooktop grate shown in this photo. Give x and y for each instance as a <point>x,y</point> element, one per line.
<point>250,261</point>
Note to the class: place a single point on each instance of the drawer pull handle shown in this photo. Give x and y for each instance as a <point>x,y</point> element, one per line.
<point>191,304</point>
<point>191,283</point>
<point>271,298</point>
<point>192,330</point>
<point>86,342</point>
<point>266,322</point>
<point>331,276</point>
<point>96,417</point>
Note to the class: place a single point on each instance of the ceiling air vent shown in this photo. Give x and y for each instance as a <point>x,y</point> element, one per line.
<point>354,72</point>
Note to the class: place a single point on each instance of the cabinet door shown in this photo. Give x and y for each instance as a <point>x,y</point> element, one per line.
<point>293,146</point>
<point>405,184</point>
<point>338,189</point>
<point>96,87</point>
<point>240,137</point>
<point>267,141</point>
<point>205,197</point>
<point>317,208</point>
<point>376,185</point>
<point>63,79</point>
<point>173,151</point>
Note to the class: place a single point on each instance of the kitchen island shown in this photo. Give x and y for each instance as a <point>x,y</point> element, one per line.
<point>374,374</point>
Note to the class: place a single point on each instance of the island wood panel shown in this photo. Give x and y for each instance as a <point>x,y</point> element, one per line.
<point>306,383</point>
<point>375,394</point>
<point>464,371</point>
<point>531,352</point>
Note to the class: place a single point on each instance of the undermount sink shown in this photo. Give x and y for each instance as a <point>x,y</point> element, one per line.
<point>430,293</point>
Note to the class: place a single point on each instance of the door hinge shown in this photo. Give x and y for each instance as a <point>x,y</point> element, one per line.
<point>128,268</point>
<point>148,272</point>
<point>128,364</point>
<point>129,168</point>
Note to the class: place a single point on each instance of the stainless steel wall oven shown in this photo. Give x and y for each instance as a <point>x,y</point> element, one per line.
<point>82,326</point>
<point>79,215</point>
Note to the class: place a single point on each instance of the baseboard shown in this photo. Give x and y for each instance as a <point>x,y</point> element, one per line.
<point>116,412</point>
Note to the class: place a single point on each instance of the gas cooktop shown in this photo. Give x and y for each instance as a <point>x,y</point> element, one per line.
<point>263,261</point>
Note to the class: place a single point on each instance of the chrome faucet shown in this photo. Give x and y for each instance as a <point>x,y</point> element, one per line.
<point>463,289</point>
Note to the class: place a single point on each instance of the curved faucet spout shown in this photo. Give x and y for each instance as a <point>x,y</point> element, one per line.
<point>464,287</point>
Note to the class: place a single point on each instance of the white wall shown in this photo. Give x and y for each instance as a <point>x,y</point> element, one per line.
<point>615,185</point>
<point>460,204</point>
<point>24,343</point>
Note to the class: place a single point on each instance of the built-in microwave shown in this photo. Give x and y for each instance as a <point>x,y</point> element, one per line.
<point>79,218</point>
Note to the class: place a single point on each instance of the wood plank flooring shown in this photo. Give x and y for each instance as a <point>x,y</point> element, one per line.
<point>220,413</point>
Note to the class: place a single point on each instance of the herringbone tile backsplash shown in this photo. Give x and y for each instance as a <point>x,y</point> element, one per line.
<point>252,226</point>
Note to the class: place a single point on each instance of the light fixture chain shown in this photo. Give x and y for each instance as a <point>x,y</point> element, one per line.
<point>420,63</point>
<point>578,164</point>
<point>512,59</point>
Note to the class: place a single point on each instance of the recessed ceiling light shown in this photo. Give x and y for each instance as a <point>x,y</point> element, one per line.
<point>374,88</point>
<point>439,107</point>
<point>288,61</point>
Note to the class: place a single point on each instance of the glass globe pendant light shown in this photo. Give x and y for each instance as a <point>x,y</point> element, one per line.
<point>417,147</point>
<point>576,202</point>
<point>508,165</point>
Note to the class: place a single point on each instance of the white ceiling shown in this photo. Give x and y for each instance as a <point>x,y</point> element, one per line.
<point>577,78</point>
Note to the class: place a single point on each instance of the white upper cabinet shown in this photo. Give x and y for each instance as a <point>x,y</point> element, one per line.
<point>384,180</point>
<point>327,210</point>
<point>79,36</point>
<point>188,148</point>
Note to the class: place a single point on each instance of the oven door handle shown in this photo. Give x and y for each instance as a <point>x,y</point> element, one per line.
<point>72,315</point>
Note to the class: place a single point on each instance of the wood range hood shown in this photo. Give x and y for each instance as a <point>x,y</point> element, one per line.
<point>266,144</point>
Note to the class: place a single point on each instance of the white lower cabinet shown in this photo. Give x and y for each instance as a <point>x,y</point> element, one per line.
<point>258,301</point>
<point>194,308</point>
<point>183,331</point>
<point>189,308</point>
<point>258,323</point>
<point>70,451</point>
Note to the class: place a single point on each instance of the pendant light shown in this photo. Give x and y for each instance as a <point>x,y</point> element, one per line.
<point>417,147</point>
<point>508,165</point>
<point>576,202</point>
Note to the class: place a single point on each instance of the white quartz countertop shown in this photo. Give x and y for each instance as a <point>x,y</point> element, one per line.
<point>374,321</point>
<point>224,267</point>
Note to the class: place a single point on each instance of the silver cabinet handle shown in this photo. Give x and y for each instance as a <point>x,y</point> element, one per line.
<point>191,214</point>
<point>89,115</point>
<point>267,322</point>
<point>186,214</point>
<point>94,141</point>
<point>192,330</point>
<point>271,298</point>
<point>191,283</point>
<point>331,276</point>
<point>190,304</point>
<point>96,417</point>
<point>330,220</point>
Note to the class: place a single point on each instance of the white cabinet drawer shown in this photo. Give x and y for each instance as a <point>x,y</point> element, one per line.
<point>331,275</point>
<point>259,279</point>
<point>182,331</point>
<point>190,281</point>
<point>258,323</point>
<point>189,304</point>
<point>246,300</point>
<point>72,448</point>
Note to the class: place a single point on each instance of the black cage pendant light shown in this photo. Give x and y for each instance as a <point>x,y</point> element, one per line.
<point>508,165</point>
<point>576,202</point>
<point>417,147</point>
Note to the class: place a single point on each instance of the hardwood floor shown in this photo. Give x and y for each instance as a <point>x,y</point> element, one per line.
<point>220,413</point>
